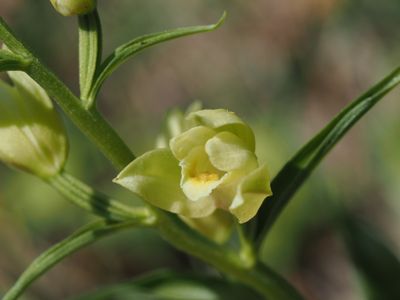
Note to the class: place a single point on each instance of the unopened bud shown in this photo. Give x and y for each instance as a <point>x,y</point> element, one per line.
<point>32,136</point>
<point>74,7</point>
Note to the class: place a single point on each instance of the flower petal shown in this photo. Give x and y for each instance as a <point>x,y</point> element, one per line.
<point>223,120</point>
<point>155,177</point>
<point>227,152</point>
<point>182,144</point>
<point>199,176</point>
<point>250,194</point>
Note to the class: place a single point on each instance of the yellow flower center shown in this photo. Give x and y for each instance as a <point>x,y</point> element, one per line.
<point>206,177</point>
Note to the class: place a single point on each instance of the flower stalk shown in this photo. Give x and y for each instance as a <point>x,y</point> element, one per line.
<point>257,275</point>
<point>90,122</point>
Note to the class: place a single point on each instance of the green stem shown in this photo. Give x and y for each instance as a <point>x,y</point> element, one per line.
<point>181,236</point>
<point>258,276</point>
<point>90,200</point>
<point>247,253</point>
<point>90,122</point>
<point>11,41</point>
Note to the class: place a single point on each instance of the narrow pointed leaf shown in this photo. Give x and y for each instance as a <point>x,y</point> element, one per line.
<point>126,51</point>
<point>298,169</point>
<point>85,236</point>
<point>378,266</point>
<point>90,48</point>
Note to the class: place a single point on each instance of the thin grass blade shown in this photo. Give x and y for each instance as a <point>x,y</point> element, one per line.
<point>83,237</point>
<point>297,170</point>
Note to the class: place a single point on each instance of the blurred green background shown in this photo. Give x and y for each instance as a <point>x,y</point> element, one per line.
<point>286,68</point>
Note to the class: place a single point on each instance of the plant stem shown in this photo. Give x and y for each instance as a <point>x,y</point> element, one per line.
<point>90,122</point>
<point>178,234</point>
<point>90,200</point>
<point>12,62</point>
<point>181,236</point>
<point>11,41</point>
<point>258,276</point>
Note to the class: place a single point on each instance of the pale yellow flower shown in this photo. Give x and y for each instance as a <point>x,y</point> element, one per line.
<point>208,165</point>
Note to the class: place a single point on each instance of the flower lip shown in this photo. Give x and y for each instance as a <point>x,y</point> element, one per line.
<point>205,177</point>
<point>198,176</point>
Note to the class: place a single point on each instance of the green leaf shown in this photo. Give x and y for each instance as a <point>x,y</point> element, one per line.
<point>85,236</point>
<point>298,169</point>
<point>90,49</point>
<point>169,285</point>
<point>12,62</point>
<point>124,52</point>
<point>378,266</point>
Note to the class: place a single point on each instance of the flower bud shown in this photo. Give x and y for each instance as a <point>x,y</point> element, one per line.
<point>32,136</point>
<point>74,7</point>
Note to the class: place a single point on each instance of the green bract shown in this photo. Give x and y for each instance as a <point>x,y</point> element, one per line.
<point>210,164</point>
<point>32,136</point>
<point>74,7</point>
